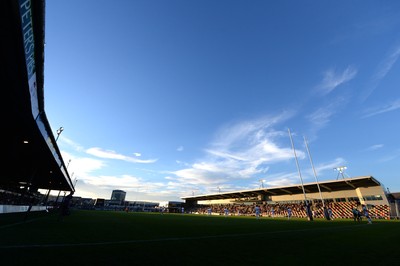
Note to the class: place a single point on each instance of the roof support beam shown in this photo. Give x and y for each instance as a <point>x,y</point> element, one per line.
<point>305,189</point>
<point>350,184</point>
<point>325,187</point>
<point>286,191</point>
<point>270,192</point>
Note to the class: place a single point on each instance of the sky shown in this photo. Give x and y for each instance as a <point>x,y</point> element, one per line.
<point>166,99</point>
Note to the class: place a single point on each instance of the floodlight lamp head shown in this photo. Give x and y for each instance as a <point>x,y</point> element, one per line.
<point>61,129</point>
<point>340,168</point>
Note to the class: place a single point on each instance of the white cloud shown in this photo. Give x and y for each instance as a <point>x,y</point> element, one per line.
<point>382,109</point>
<point>113,182</point>
<point>90,184</point>
<point>137,154</point>
<point>202,174</point>
<point>109,154</point>
<point>136,188</point>
<point>182,163</point>
<point>333,79</point>
<point>82,166</point>
<point>180,148</point>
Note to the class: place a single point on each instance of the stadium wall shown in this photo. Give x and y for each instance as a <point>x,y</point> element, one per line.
<point>20,208</point>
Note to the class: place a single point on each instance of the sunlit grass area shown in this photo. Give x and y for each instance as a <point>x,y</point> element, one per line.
<point>110,238</point>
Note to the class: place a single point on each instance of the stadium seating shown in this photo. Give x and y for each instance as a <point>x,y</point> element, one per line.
<point>340,210</point>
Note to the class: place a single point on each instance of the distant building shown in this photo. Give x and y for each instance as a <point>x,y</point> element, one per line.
<point>99,203</point>
<point>175,206</point>
<point>118,197</point>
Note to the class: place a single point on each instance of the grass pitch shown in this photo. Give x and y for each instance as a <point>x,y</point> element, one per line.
<point>119,238</point>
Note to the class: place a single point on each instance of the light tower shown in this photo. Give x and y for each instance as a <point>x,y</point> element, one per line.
<point>340,170</point>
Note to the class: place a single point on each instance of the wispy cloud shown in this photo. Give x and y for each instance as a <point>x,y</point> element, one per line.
<point>328,166</point>
<point>321,117</point>
<point>225,155</point>
<point>374,147</point>
<point>332,79</point>
<point>370,28</point>
<point>180,148</point>
<point>387,64</point>
<point>240,151</point>
<point>383,69</point>
<point>394,156</point>
<point>282,179</point>
<point>382,109</point>
<point>109,154</point>
<point>291,178</point>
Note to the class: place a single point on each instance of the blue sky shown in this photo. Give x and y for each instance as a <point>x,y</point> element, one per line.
<point>165,99</point>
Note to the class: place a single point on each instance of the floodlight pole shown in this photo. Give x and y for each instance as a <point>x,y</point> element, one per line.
<point>315,173</point>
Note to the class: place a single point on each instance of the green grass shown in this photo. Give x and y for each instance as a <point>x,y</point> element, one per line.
<point>119,238</point>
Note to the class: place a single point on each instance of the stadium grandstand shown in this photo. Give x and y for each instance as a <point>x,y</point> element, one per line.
<point>32,160</point>
<point>341,196</point>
